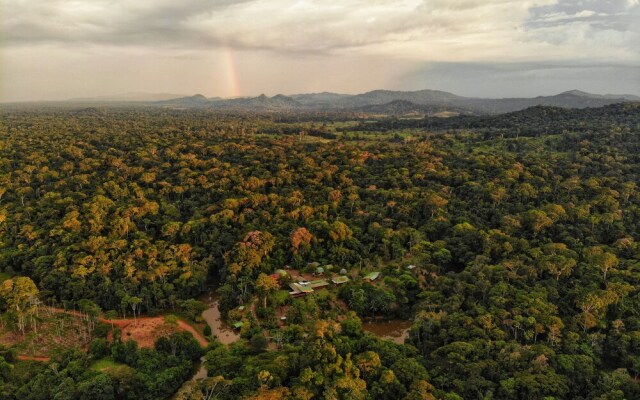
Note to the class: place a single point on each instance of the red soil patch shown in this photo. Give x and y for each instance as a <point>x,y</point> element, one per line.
<point>29,358</point>
<point>147,330</point>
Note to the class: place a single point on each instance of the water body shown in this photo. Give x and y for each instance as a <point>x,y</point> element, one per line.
<point>219,328</point>
<point>202,371</point>
<point>394,329</point>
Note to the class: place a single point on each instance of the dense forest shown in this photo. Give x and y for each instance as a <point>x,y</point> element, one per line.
<point>521,231</point>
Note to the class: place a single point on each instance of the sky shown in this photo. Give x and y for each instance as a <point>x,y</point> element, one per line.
<point>61,49</point>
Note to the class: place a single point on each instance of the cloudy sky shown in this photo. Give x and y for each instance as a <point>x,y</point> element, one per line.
<point>59,49</point>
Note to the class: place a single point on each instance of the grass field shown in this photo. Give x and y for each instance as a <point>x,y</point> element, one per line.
<point>105,364</point>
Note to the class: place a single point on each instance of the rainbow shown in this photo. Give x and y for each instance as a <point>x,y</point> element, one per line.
<point>232,73</point>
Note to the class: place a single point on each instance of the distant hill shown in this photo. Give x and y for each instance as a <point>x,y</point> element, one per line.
<point>422,97</point>
<point>325,99</point>
<point>262,102</point>
<point>395,107</point>
<point>405,107</point>
<point>133,96</point>
<point>570,99</point>
<point>197,100</point>
<point>533,121</point>
<point>388,102</point>
<point>548,118</point>
<point>603,96</point>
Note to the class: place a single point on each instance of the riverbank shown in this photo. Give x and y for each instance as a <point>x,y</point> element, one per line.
<point>396,330</point>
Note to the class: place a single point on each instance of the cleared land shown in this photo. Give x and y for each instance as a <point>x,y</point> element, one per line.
<point>59,329</point>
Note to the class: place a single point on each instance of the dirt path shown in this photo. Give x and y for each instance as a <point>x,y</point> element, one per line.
<point>197,335</point>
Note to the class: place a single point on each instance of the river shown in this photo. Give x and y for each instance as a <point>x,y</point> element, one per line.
<point>213,318</point>
<point>219,328</point>
<point>394,329</point>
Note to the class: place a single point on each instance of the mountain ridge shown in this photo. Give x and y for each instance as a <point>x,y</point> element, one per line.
<point>392,102</point>
<point>425,102</point>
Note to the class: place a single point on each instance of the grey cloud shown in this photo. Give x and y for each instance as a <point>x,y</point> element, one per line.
<point>601,15</point>
<point>422,28</point>
<point>105,22</point>
<point>197,22</point>
<point>573,7</point>
<point>473,47</point>
<point>603,26</point>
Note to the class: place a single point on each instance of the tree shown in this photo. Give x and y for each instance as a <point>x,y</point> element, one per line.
<point>134,302</point>
<point>602,259</point>
<point>435,202</point>
<point>21,296</point>
<point>340,232</point>
<point>300,237</point>
<point>536,220</point>
<point>98,388</point>
<point>193,308</point>
<point>248,254</point>
<point>368,363</point>
<point>558,260</point>
<point>265,284</point>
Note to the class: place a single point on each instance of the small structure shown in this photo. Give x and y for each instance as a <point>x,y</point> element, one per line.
<point>339,280</point>
<point>319,284</point>
<point>343,271</point>
<point>372,276</point>
<point>238,325</point>
<point>300,289</point>
<point>410,267</point>
<point>241,308</point>
<point>319,270</point>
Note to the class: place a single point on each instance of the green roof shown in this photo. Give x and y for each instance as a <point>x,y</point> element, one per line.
<point>238,325</point>
<point>340,279</point>
<point>372,276</point>
<point>301,288</point>
<point>318,283</point>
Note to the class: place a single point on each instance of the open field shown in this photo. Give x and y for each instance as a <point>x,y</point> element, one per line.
<point>147,330</point>
<point>59,329</point>
<point>105,364</point>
